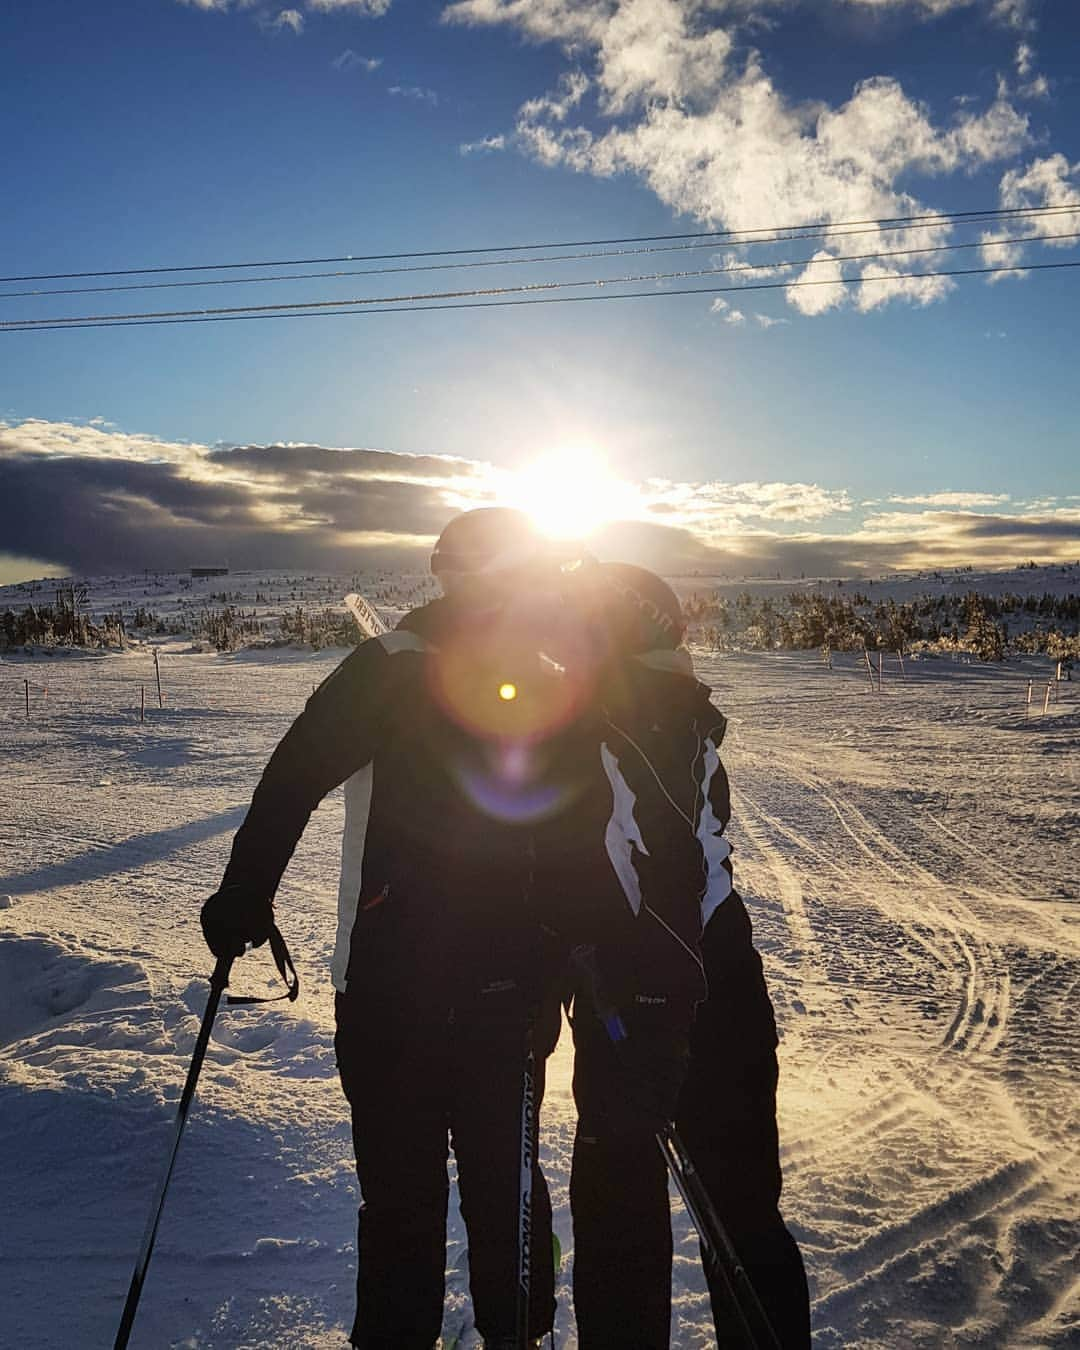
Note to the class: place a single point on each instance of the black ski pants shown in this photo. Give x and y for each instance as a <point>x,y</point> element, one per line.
<point>412,1076</point>
<point>727,1120</point>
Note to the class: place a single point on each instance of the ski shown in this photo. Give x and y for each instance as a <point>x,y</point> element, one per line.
<point>367,617</point>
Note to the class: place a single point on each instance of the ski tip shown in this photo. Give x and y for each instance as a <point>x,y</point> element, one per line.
<point>366,615</point>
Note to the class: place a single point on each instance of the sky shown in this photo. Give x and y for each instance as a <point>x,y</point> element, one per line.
<point>876,420</point>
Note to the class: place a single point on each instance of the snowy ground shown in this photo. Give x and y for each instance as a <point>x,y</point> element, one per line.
<point>910,862</point>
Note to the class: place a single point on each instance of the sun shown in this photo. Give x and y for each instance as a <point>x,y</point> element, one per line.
<point>570,493</point>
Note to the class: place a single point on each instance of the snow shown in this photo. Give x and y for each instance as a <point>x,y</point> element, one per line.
<point>909,861</point>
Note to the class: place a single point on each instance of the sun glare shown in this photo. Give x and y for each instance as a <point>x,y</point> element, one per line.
<point>570,493</point>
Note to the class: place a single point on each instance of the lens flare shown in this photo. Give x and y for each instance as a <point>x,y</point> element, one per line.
<point>499,692</point>
<point>516,784</point>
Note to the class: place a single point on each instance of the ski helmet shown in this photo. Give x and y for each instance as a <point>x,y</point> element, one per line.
<point>639,609</point>
<point>487,542</point>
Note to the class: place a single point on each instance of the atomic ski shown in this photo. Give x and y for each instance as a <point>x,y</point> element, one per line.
<point>366,616</point>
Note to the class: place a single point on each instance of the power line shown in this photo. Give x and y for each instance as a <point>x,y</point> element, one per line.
<point>529,287</point>
<point>829,233</point>
<point>255,313</point>
<point>944,217</point>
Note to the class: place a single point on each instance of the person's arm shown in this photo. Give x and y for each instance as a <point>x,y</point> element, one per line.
<point>337,733</point>
<point>713,812</point>
<point>653,848</point>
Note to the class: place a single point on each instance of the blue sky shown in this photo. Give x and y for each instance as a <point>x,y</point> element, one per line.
<point>883,424</point>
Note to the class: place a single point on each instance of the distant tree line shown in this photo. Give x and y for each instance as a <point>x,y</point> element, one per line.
<point>65,623</point>
<point>226,628</point>
<point>987,626</point>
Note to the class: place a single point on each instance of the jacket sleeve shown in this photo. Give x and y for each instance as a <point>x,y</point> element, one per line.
<point>338,732</point>
<point>653,850</point>
<point>712,813</point>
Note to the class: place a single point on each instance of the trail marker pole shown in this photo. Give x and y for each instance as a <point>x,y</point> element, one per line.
<point>869,669</point>
<point>880,669</point>
<point>157,672</point>
<point>26,690</point>
<point>1046,700</point>
<point>142,702</point>
<point>900,658</point>
<point>1027,712</point>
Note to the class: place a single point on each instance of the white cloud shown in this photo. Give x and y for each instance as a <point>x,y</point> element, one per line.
<point>486,146</point>
<point>964,500</point>
<point>75,440</point>
<point>573,21</point>
<point>720,306</point>
<point>1033,84</point>
<point>350,60</point>
<point>1051,181</point>
<point>881,284</point>
<point>767,321</point>
<point>289,18</point>
<point>717,508</point>
<point>372,9</point>
<point>1015,13</point>
<point>823,289</point>
<point>648,51</point>
<point>293,18</point>
<point>566,21</point>
<point>683,108</point>
<point>414,91</point>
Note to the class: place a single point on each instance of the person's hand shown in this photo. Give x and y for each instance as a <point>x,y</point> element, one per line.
<point>232,919</point>
<point>652,1058</point>
<point>652,1065</point>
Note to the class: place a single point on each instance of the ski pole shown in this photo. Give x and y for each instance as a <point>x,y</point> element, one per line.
<point>525,1188</point>
<point>218,981</point>
<point>717,1246</point>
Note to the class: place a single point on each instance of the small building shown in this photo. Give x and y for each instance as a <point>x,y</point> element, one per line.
<point>209,571</point>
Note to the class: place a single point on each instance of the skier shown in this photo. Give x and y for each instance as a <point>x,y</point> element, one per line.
<point>441,966</point>
<point>725,1110</point>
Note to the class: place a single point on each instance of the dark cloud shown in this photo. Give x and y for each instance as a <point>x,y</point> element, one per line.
<point>370,504</point>
<point>1006,527</point>
<point>99,515</point>
<point>299,460</point>
<point>75,498</point>
<point>990,540</point>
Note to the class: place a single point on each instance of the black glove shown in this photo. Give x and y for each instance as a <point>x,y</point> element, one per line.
<point>652,1058</point>
<point>232,918</point>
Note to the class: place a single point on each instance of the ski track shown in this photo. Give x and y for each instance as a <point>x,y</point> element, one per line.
<point>891,849</point>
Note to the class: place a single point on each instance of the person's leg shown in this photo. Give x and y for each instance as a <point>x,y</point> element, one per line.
<point>619,1204</point>
<point>489,1062</point>
<point>727,1120</point>
<point>395,1085</point>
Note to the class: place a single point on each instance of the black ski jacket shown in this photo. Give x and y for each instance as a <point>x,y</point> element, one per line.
<point>484,785</point>
<point>660,745</point>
